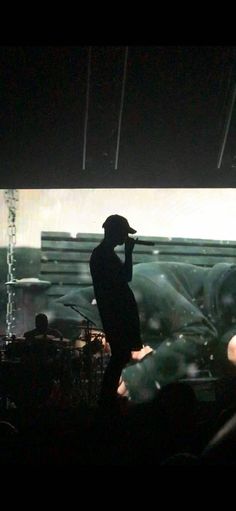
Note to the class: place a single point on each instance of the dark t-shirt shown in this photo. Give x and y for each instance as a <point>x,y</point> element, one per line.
<point>115,299</point>
<point>40,345</point>
<point>31,334</point>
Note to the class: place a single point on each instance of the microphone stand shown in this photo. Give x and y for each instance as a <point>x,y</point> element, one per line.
<point>72,306</point>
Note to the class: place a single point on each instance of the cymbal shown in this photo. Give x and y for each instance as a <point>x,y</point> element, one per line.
<point>62,340</point>
<point>90,329</point>
<point>79,343</point>
<point>16,339</point>
<point>28,282</point>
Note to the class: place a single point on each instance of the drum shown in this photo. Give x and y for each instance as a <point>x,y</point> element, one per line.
<point>94,343</point>
<point>79,343</point>
<point>84,348</point>
<point>30,368</point>
<point>89,343</point>
<point>16,348</point>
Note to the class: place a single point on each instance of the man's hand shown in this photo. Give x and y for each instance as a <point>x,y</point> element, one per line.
<point>138,355</point>
<point>129,245</point>
<point>122,390</point>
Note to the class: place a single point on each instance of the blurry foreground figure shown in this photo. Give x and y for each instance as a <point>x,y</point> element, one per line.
<point>187,316</point>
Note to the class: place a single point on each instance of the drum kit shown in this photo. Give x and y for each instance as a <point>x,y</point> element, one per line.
<point>95,342</point>
<point>77,365</point>
<point>18,348</point>
<point>90,356</point>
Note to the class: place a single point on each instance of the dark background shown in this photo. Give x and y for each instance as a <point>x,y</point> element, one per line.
<point>176,104</point>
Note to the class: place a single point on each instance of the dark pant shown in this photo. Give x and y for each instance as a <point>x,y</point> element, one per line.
<point>119,358</point>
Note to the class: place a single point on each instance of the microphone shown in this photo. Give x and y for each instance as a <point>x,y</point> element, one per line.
<point>142,242</point>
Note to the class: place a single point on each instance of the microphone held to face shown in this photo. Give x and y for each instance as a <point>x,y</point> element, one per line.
<point>143,242</point>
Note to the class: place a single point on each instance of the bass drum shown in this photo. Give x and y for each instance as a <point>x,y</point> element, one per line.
<point>16,348</point>
<point>28,371</point>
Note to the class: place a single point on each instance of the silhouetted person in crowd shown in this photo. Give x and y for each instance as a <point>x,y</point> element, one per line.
<point>42,328</point>
<point>115,301</point>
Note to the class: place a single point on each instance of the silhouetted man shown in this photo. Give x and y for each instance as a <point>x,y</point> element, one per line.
<point>41,338</point>
<point>42,328</point>
<point>115,301</point>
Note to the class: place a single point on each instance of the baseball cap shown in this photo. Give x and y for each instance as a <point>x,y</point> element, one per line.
<point>117,222</point>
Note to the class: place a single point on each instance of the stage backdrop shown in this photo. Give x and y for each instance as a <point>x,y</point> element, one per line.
<point>166,212</point>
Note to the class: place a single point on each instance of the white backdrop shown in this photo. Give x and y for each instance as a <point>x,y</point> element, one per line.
<point>172,212</point>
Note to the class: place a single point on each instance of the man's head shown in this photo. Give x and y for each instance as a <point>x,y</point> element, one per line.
<point>117,227</point>
<point>41,322</point>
